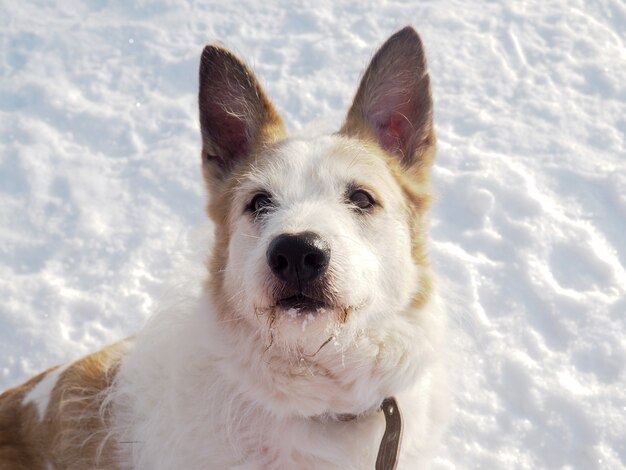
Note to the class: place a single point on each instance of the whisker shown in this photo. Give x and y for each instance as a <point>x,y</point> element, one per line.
<point>330,338</point>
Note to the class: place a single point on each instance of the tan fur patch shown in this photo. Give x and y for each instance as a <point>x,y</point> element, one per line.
<point>73,433</point>
<point>18,450</point>
<point>416,188</point>
<point>418,197</point>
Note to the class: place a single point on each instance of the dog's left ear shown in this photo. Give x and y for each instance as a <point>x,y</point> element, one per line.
<point>236,118</point>
<point>393,104</point>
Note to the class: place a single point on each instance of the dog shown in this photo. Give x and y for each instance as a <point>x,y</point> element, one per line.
<point>314,323</point>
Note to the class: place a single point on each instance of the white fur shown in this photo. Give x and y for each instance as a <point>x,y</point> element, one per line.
<point>196,392</point>
<point>40,394</point>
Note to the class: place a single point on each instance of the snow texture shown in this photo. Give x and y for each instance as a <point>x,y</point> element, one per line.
<point>100,186</point>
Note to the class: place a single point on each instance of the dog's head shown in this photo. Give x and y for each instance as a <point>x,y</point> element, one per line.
<point>319,236</point>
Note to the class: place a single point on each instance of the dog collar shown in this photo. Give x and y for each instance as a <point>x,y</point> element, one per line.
<point>389,450</point>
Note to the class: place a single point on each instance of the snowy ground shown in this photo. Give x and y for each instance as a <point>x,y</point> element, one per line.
<point>99,183</point>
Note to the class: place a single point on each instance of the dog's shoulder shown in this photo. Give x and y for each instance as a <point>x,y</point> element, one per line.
<point>19,427</point>
<point>61,417</point>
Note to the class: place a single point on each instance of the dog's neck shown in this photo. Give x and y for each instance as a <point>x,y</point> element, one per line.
<point>391,441</point>
<point>346,417</point>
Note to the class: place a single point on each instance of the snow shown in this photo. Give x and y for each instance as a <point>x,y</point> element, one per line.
<point>99,185</point>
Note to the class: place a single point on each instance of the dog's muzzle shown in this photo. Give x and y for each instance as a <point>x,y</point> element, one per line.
<point>298,259</point>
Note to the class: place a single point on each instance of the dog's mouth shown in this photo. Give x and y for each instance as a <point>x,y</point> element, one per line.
<point>301,303</point>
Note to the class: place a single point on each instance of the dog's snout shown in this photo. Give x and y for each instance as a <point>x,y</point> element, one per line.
<point>298,258</point>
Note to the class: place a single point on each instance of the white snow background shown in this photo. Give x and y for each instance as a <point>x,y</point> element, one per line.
<point>100,186</point>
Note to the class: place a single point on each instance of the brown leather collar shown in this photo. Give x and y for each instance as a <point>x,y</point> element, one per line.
<point>389,450</point>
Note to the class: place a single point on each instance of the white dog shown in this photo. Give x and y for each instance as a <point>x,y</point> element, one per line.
<point>315,306</point>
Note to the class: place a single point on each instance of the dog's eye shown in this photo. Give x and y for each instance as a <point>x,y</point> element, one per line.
<point>362,199</point>
<point>260,203</point>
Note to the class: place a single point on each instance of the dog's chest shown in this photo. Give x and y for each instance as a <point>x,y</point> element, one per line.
<point>311,444</point>
<point>237,437</point>
<point>305,445</point>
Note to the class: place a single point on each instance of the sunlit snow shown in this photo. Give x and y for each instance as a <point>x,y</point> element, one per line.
<point>100,184</point>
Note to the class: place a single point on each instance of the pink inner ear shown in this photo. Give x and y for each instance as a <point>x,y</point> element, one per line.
<point>234,135</point>
<point>393,130</point>
<point>230,118</point>
<point>392,113</point>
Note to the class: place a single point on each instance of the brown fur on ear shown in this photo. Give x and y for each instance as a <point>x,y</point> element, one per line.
<point>393,104</point>
<point>235,115</point>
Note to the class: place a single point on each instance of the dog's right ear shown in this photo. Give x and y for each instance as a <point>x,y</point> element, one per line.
<point>236,117</point>
<point>393,105</point>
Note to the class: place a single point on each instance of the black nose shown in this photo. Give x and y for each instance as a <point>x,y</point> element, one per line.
<point>298,259</point>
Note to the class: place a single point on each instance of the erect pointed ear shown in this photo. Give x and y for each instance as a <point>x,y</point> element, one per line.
<point>235,115</point>
<point>393,104</point>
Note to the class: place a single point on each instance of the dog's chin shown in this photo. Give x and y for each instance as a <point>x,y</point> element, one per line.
<point>303,317</point>
<point>298,309</point>
<point>301,304</point>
